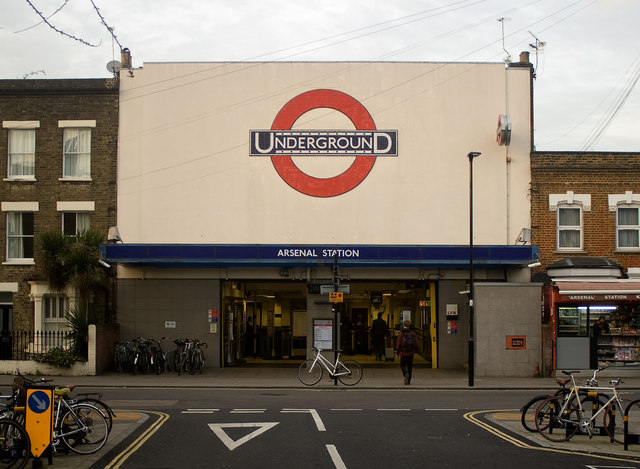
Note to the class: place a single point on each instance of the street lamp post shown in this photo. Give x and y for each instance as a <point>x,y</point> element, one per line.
<point>471,357</point>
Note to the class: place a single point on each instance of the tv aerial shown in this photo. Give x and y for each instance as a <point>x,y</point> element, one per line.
<point>508,57</point>
<point>537,46</point>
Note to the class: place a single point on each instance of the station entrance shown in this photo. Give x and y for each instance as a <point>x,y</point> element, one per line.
<point>267,322</point>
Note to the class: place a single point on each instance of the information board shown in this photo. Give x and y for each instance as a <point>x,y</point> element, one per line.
<point>323,333</point>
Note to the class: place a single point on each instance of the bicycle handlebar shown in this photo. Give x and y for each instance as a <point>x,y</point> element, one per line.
<point>31,381</point>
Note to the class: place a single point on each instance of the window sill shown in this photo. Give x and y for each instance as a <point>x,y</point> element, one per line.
<point>627,250</point>
<point>20,179</point>
<point>75,179</point>
<point>572,251</point>
<point>19,262</point>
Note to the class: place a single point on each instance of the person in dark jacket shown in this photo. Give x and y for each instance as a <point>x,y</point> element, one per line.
<point>406,346</point>
<point>379,331</point>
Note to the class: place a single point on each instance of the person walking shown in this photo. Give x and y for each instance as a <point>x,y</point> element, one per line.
<point>406,346</point>
<point>379,331</point>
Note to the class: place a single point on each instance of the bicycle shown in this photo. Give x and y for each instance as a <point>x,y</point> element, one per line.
<point>79,426</point>
<point>310,371</point>
<point>559,418</point>
<point>196,357</point>
<point>528,411</point>
<point>15,446</point>
<point>189,356</point>
<point>122,360</point>
<point>95,398</point>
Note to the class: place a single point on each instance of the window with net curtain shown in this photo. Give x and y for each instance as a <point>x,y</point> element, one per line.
<point>77,153</point>
<point>569,227</point>
<point>20,235</point>
<point>628,226</point>
<point>74,223</point>
<point>22,153</point>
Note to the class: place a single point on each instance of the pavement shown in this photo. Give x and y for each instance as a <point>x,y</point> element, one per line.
<point>385,376</point>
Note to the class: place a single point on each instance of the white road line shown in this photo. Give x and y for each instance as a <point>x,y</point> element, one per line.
<point>339,410</point>
<point>394,410</point>
<point>248,411</point>
<point>445,410</point>
<point>335,457</point>
<point>314,413</point>
<point>200,411</point>
<point>218,429</point>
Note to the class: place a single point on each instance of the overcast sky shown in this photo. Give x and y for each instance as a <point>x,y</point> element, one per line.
<point>586,70</point>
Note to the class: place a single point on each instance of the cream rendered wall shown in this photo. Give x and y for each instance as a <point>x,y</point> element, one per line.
<point>185,174</point>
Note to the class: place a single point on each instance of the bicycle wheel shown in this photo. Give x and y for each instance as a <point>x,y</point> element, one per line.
<point>354,374</point>
<point>528,413</point>
<point>107,412</point>
<point>613,420</point>
<point>555,426</point>
<point>177,361</point>
<point>310,373</point>
<point>84,430</point>
<point>156,363</point>
<point>191,362</point>
<point>15,447</point>
<point>199,361</point>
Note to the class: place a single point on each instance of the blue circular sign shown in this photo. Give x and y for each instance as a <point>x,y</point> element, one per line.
<point>38,402</point>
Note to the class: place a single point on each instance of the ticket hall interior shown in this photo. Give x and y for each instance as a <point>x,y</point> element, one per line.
<point>265,322</point>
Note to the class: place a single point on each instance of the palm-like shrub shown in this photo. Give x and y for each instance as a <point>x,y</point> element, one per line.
<point>73,261</point>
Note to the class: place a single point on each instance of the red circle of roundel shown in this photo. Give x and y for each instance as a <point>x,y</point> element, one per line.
<point>323,187</point>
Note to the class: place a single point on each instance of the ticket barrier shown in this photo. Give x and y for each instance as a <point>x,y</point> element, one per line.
<point>39,406</point>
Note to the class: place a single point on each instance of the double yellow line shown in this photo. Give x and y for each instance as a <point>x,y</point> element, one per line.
<point>471,417</point>
<point>133,447</point>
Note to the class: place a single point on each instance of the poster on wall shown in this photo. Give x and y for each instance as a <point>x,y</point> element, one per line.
<point>323,334</point>
<point>299,323</point>
<point>406,316</point>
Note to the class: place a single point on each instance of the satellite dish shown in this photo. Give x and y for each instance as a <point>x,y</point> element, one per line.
<point>114,66</point>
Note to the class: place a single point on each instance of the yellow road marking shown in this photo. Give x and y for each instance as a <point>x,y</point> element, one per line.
<point>127,416</point>
<point>133,447</point>
<point>471,417</point>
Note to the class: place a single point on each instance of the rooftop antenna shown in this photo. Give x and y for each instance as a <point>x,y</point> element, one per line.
<point>502,20</point>
<point>537,46</point>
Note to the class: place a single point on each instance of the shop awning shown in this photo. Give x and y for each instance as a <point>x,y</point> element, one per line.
<point>613,290</point>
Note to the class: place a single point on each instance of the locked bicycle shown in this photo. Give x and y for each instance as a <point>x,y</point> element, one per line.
<point>15,446</point>
<point>559,418</point>
<point>348,372</point>
<point>79,426</point>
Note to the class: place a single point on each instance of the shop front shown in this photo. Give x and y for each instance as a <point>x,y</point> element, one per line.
<point>596,322</point>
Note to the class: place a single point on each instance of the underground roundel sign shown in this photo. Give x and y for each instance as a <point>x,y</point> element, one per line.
<point>281,143</point>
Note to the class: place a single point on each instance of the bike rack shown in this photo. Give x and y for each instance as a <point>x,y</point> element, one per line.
<point>598,430</point>
<point>629,439</point>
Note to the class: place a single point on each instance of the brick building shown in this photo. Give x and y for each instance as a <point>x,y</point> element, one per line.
<point>590,189</point>
<point>58,160</point>
<point>585,210</point>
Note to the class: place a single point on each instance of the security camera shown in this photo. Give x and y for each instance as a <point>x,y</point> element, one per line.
<point>535,264</point>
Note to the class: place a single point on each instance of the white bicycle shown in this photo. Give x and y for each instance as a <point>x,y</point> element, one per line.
<point>348,372</point>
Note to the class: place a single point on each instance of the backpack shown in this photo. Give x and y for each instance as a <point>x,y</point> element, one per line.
<point>409,342</point>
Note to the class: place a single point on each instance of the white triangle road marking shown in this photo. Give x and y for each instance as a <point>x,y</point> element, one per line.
<point>218,429</point>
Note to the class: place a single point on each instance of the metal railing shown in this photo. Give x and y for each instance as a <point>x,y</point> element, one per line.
<point>21,345</point>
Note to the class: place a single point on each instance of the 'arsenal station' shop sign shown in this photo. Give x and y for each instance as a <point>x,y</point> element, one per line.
<point>610,292</point>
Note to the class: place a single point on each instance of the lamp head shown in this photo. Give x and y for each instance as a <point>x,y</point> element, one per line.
<point>473,154</point>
